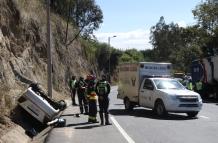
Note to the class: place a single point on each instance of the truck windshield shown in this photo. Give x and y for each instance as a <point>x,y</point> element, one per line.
<point>168,84</point>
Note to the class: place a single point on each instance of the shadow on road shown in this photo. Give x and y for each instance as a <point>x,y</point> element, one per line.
<point>118,104</point>
<point>88,127</point>
<point>76,115</point>
<point>211,100</point>
<point>77,124</point>
<point>149,114</point>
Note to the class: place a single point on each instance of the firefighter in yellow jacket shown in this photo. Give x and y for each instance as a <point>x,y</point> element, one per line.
<point>92,98</point>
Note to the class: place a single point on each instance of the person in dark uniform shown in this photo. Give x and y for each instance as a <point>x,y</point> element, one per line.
<point>103,90</point>
<point>81,91</point>
<point>72,85</point>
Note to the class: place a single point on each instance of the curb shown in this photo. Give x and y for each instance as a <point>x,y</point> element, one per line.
<point>40,137</point>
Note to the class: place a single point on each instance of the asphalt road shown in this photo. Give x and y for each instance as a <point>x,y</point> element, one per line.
<point>138,126</point>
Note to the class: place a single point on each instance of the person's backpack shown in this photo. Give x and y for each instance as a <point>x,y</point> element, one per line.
<point>102,88</point>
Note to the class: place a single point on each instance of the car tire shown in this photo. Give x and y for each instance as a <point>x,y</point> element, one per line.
<point>192,114</point>
<point>128,104</point>
<point>160,109</point>
<point>62,105</point>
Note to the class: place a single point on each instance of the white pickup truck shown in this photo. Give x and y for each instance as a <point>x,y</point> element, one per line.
<point>143,84</point>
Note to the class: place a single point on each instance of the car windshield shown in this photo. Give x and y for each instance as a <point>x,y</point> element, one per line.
<point>168,84</point>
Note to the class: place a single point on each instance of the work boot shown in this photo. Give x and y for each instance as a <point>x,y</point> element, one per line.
<point>102,118</point>
<point>107,119</point>
<point>93,121</point>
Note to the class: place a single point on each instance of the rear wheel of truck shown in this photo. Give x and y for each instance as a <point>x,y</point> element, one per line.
<point>160,108</point>
<point>128,104</point>
<point>192,114</point>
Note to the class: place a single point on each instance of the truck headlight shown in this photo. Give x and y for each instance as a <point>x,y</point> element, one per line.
<point>173,97</point>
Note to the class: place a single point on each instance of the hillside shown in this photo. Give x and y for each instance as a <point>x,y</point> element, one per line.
<point>23,53</point>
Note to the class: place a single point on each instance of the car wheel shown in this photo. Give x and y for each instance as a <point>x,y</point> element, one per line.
<point>128,104</point>
<point>160,108</point>
<point>192,114</point>
<point>62,105</point>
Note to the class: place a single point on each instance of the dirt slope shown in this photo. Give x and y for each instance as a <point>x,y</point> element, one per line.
<point>23,53</point>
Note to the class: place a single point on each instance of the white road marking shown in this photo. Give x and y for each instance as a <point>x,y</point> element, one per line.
<point>122,131</point>
<point>205,117</point>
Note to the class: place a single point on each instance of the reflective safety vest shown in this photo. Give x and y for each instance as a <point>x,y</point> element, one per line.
<point>189,86</point>
<point>199,85</point>
<point>102,88</point>
<point>73,84</point>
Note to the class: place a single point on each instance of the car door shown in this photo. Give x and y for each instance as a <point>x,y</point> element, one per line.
<point>146,93</point>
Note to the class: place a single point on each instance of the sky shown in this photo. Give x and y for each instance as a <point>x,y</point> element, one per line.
<point>130,20</point>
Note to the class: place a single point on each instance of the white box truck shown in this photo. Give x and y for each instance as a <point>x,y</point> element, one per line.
<point>148,84</point>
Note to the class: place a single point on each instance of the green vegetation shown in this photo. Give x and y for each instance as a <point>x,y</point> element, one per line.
<point>170,42</point>
<point>83,14</point>
<point>182,45</point>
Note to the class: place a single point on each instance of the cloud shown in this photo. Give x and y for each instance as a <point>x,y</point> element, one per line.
<point>182,24</point>
<point>138,39</point>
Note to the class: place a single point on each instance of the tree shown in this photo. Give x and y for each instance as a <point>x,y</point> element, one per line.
<point>114,58</point>
<point>125,58</point>
<point>84,14</point>
<point>87,16</point>
<point>165,39</point>
<point>135,55</point>
<point>176,44</point>
<point>148,55</point>
<point>206,16</point>
<point>102,56</point>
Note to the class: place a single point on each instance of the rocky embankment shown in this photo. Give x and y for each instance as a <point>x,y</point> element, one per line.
<point>23,55</point>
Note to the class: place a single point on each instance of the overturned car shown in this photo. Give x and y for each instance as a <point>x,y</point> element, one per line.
<point>39,105</point>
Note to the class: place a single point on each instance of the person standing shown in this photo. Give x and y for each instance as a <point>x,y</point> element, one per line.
<point>81,91</point>
<point>103,90</point>
<point>189,85</point>
<point>92,98</point>
<point>72,85</point>
<point>199,87</point>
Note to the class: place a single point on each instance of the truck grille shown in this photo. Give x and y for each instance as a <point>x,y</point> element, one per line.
<point>188,99</point>
<point>188,105</point>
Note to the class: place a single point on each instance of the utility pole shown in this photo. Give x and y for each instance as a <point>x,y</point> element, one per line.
<point>109,62</point>
<point>49,59</point>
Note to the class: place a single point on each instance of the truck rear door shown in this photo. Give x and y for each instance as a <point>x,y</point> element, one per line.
<point>146,93</point>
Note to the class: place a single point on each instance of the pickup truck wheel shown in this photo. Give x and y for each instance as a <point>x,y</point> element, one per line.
<point>128,104</point>
<point>160,109</point>
<point>192,114</point>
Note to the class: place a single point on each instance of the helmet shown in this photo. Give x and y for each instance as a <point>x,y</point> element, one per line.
<point>73,77</point>
<point>90,77</point>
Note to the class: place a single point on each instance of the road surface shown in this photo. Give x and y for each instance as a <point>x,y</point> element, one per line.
<point>138,126</point>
